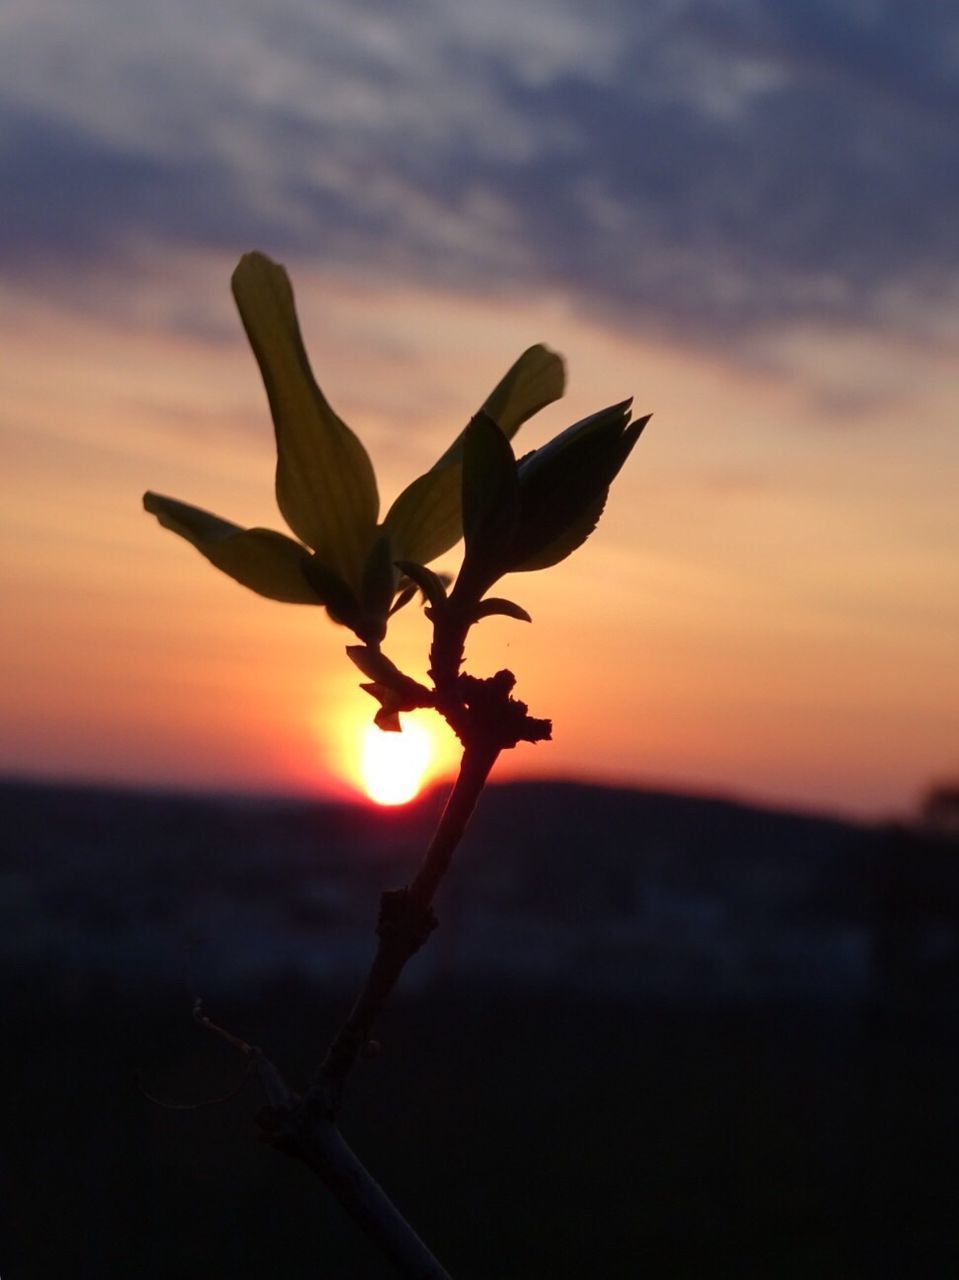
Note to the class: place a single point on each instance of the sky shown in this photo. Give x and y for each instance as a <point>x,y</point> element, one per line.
<point>743,214</point>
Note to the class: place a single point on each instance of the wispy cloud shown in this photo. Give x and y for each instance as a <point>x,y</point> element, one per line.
<point>707,169</point>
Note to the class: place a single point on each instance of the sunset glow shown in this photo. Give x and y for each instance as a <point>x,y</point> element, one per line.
<point>394,764</point>
<point>769,606</point>
<point>351,756</point>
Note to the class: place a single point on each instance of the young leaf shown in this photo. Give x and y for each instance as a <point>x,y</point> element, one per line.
<point>269,563</point>
<point>565,543</point>
<point>387,717</point>
<point>379,586</point>
<point>375,665</point>
<point>431,584</point>
<point>407,590</point>
<point>341,604</point>
<point>394,691</point>
<point>563,486</point>
<point>600,425</point>
<point>490,506</point>
<point>490,486</point>
<point>493,605</point>
<point>426,518</point>
<point>387,720</point>
<point>536,379</point>
<point>325,486</point>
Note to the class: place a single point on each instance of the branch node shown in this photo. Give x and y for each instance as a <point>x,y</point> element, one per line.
<point>494,716</point>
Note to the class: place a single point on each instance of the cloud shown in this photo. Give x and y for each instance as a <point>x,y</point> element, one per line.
<point>711,169</point>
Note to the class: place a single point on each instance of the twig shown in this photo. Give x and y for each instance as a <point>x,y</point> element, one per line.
<point>309,1131</point>
<point>250,1052</point>
<point>311,1136</point>
<point>405,923</point>
<point>292,1125</point>
<point>203,1103</point>
<point>278,1092</point>
<point>487,720</point>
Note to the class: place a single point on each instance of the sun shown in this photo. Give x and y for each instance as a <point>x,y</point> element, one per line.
<point>387,768</point>
<point>393,765</point>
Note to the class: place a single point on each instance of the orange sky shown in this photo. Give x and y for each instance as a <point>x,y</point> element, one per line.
<point>769,608</point>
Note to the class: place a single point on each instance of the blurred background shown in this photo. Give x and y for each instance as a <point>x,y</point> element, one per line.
<point>711,1033</point>
<point>743,215</point>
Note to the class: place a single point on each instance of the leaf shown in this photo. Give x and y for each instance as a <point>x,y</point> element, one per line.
<point>325,486</point>
<point>490,506</point>
<point>379,586</point>
<point>388,721</point>
<point>604,424</point>
<point>494,605</point>
<point>426,518</point>
<point>490,486</point>
<point>408,589</point>
<point>341,604</point>
<point>387,717</point>
<point>387,676</point>
<point>565,543</point>
<point>431,584</point>
<point>406,593</point>
<point>269,563</point>
<point>563,486</point>
<point>536,379</point>
<point>374,664</point>
<point>394,691</point>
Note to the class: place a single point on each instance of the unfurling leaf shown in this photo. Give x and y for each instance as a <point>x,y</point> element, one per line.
<point>534,513</point>
<point>269,563</point>
<point>426,519</point>
<point>565,543</point>
<point>563,486</point>
<point>325,486</point>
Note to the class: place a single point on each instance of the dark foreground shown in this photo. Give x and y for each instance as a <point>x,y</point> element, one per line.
<point>527,1135</point>
<point>530,1127</point>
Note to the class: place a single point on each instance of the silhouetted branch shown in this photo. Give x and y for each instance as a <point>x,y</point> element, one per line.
<point>307,1133</point>
<point>278,1092</point>
<point>488,720</point>
<point>294,1125</point>
<point>307,1129</point>
<point>405,923</point>
<point>513,515</point>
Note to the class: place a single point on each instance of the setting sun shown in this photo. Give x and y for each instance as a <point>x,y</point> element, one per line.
<point>394,764</point>
<point>388,768</point>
